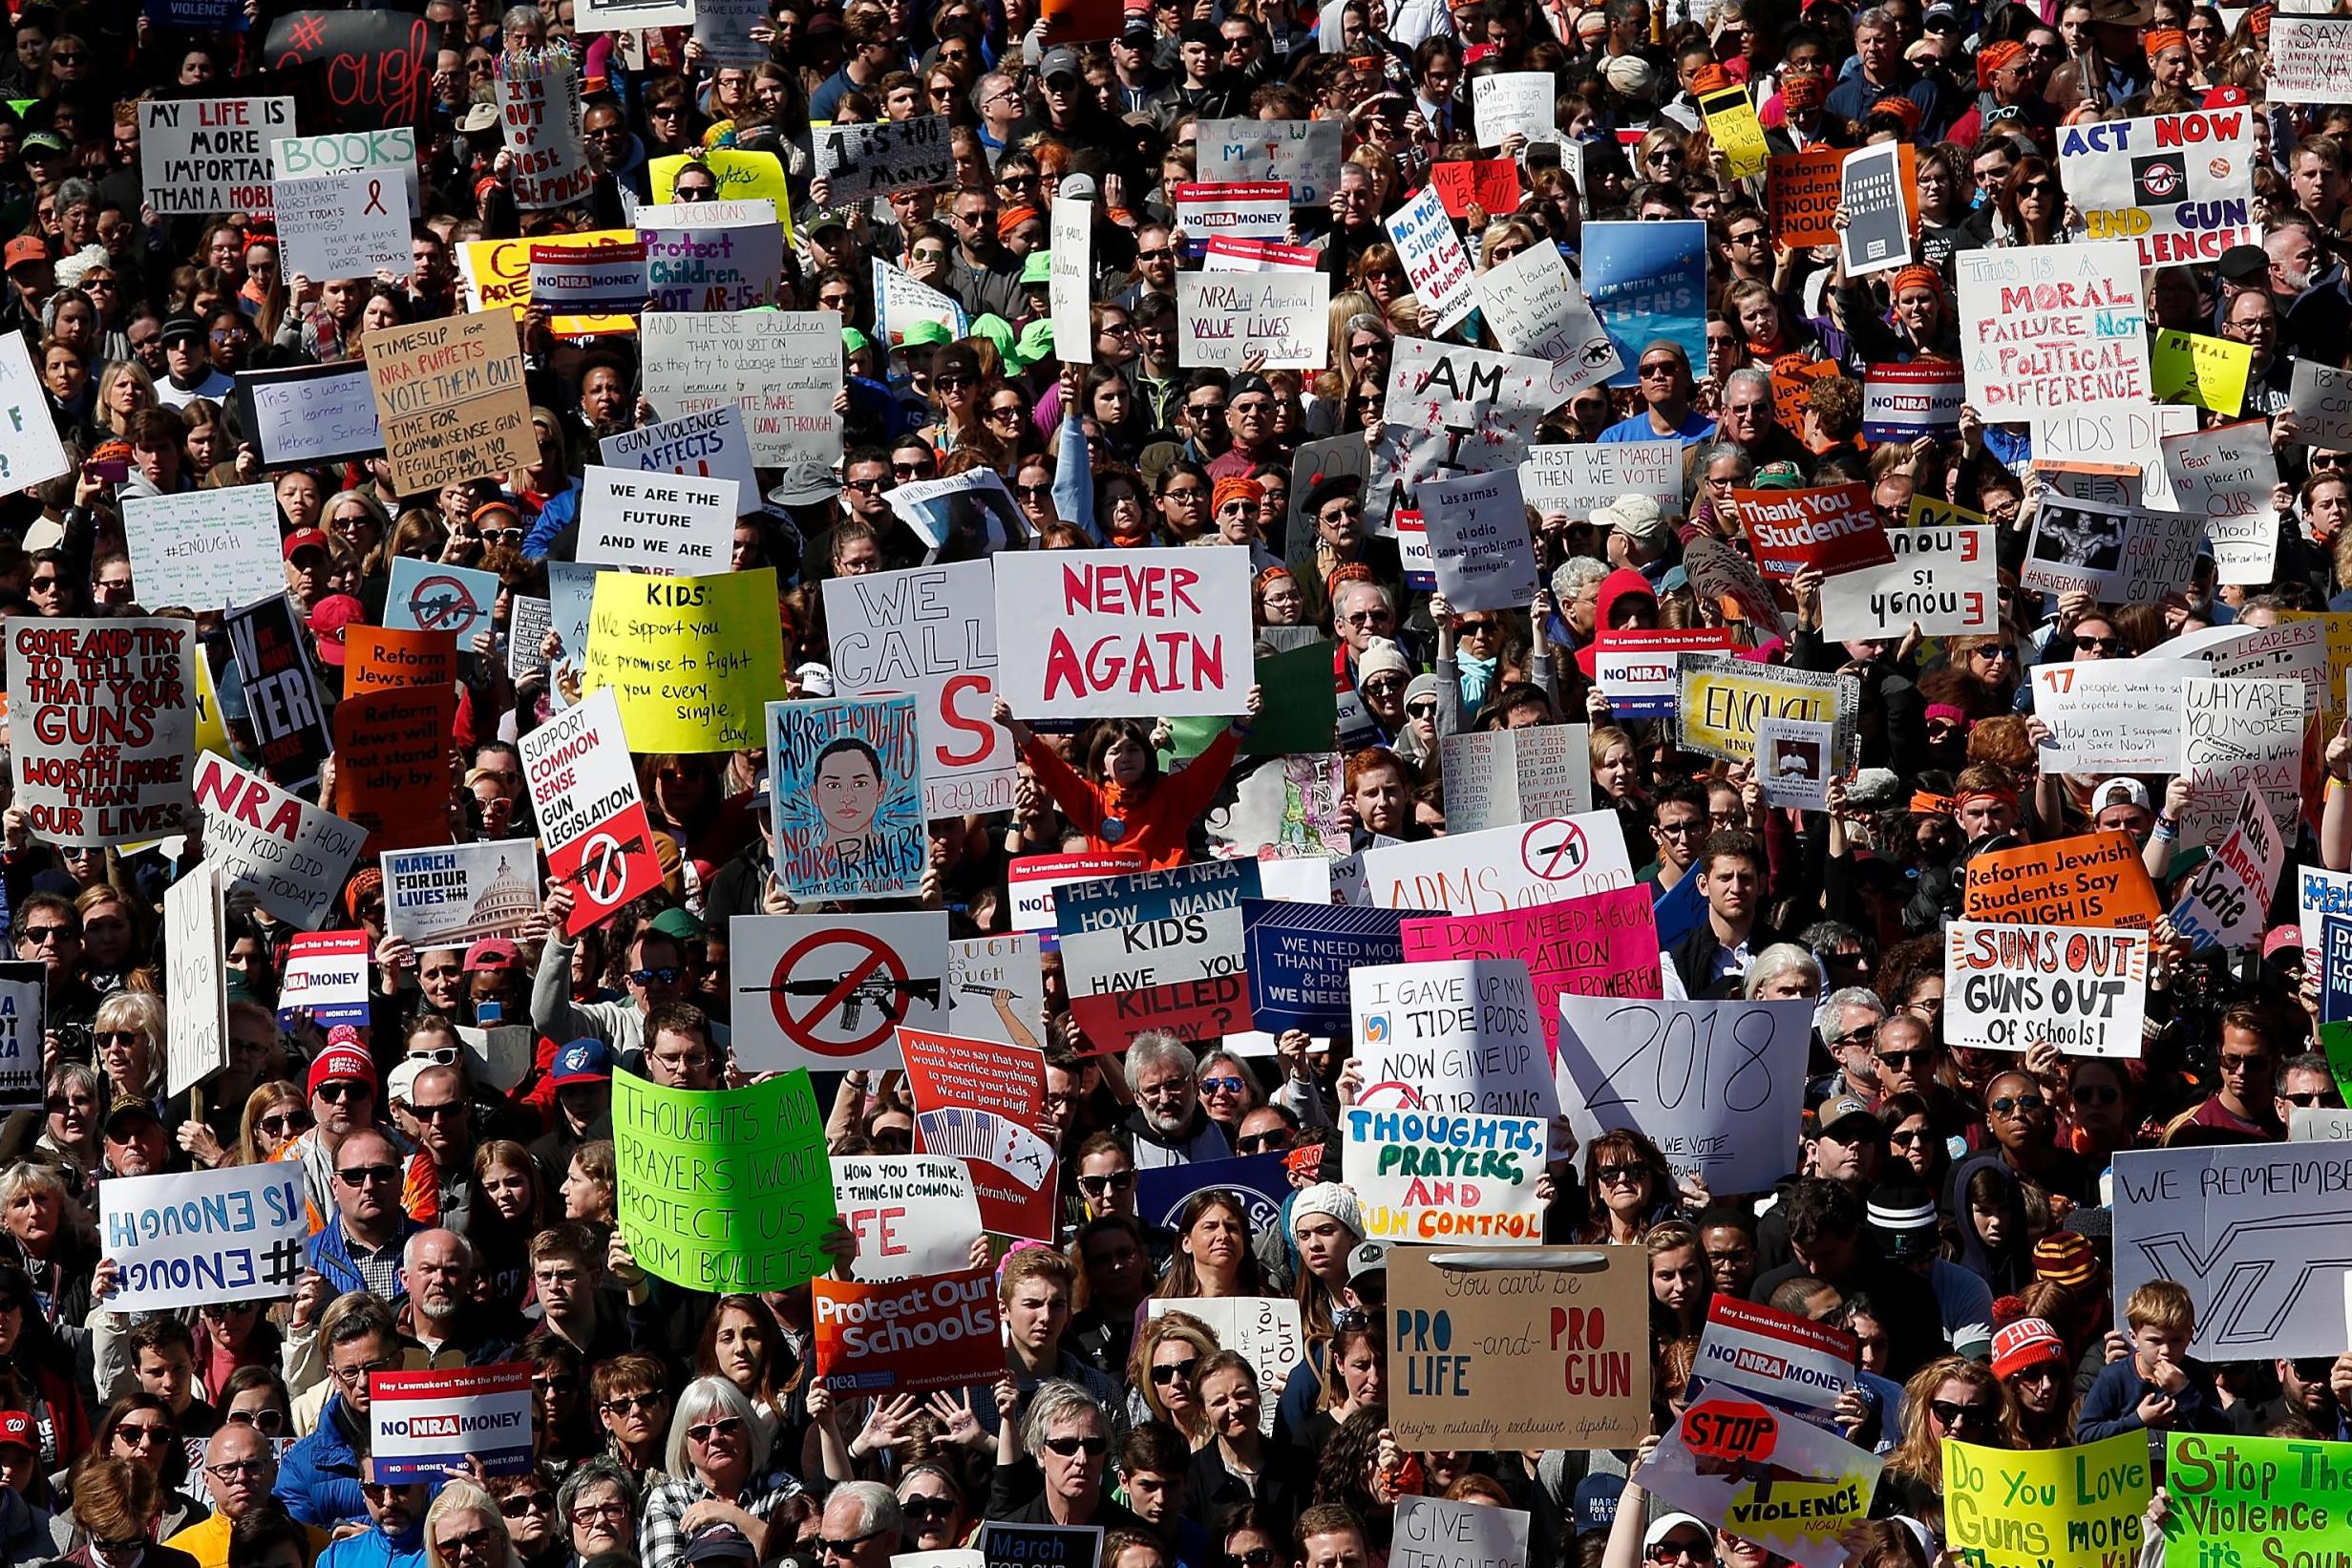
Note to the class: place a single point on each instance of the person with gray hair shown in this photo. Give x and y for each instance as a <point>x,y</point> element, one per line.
<point>444,1312</point>
<point>861,1525</point>
<point>1167,1125</point>
<point>1066,1432</point>
<point>1750,423</point>
<point>718,1458</point>
<point>1782,972</point>
<point>1848,1022</point>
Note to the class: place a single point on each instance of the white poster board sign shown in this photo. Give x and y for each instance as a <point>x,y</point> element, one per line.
<point>1228,318</point>
<point>912,1214</point>
<point>2082,989</point>
<point>1479,543</point>
<point>2047,327</point>
<point>1451,1034</point>
<point>207,549</point>
<point>1718,1086</point>
<point>2112,715</point>
<point>352,224</point>
<point>1088,633</point>
<point>1501,868</point>
<point>782,367</point>
<point>195,979</point>
<point>670,525</point>
<point>234,1234</point>
<point>930,630</point>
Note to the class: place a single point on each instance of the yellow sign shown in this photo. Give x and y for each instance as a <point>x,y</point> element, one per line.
<point>2030,1508</point>
<point>692,661</point>
<point>1738,134</point>
<point>742,176</point>
<point>2209,371</point>
<point>1926,512</point>
<point>498,272</point>
<point>1722,699</point>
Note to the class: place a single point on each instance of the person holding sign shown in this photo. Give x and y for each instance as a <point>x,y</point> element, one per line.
<point>1121,801</point>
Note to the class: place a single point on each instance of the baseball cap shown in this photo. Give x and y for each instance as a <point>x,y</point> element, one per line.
<point>720,1543</point>
<point>925,334</point>
<point>341,1062</point>
<point>130,1105</point>
<point>329,618</point>
<point>1036,267</point>
<point>42,141</point>
<point>2028,1342</point>
<point>1835,1111</point>
<point>2282,938</point>
<point>1078,186</point>
<point>584,1061</point>
<point>1666,1524</point>
<point>401,1084</point>
<point>22,249</point>
<point>1778,476</point>
<point>2119,791</point>
<point>304,538</point>
<point>180,327</point>
<point>2244,265</point>
<point>492,953</point>
<point>1370,1257</point>
<point>1058,62</point>
<point>1597,1498</point>
<point>16,1427</point>
<point>678,924</point>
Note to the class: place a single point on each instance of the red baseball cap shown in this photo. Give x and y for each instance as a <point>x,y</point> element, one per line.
<point>16,1427</point>
<point>23,248</point>
<point>304,539</point>
<point>328,618</point>
<point>341,1061</point>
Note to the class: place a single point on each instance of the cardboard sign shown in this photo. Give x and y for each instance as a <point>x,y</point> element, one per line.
<point>1445,1176</point>
<point>1874,184</point>
<point>1225,318</point>
<point>1459,1035</point>
<point>2234,1225</point>
<point>1718,1086</point>
<point>881,156</point>
<point>539,110</point>
<point>930,630</point>
<point>912,1214</point>
<point>1087,633</point>
<point>455,895</point>
<point>305,413</point>
<point>497,273</point>
<point>390,658</point>
<point>1790,1486</point>
<point>1576,479</point>
<point>836,987</point>
<point>996,987</point>
<point>2095,879</point>
<point>1435,264</point>
<point>2113,716</point>
<point>449,399</point>
<point>1496,778</point>
<point>692,661</point>
<point>1537,309</point>
<point>2228,905</point>
<point>2235,737</point>
<point>1831,530</point>
<point>2175,184</point>
<point>325,979</point>
<point>722,1189</point>
<point>610,280</point>
<point>1802,191</point>
<point>1785,1359</point>
<point>1793,763</point>
<point>2310,60</point>
<point>979,1101</point>
<point>2082,989</point>
<point>1265,1331</point>
<point>1943,580</point>
<point>1481,1348</point>
<point>393,763</point>
<point>195,979</point>
<point>2319,396</point>
<point>591,817</point>
<point>1453,410</point>
<point>1904,402</point>
<point>429,1426</point>
<point>1600,944</point>
<point>2251,1499</point>
<point>2044,327</point>
<point>103,727</point>
<point>1647,281</point>
<point>710,445</point>
<point>845,778</point>
<point>234,1234</point>
<point>1297,958</point>
<point>909,1335</point>
<point>342,226</point>
<point>198,156</point>
<point>207,549</point>
<point>1160,950</point>
<point>1302,154</point>
<point>782,367</point>
<point>1722,699</point>
<point>1491,184</point>
<point>289,855</point>
<point>1508,103</point>
<point>1501,868</point>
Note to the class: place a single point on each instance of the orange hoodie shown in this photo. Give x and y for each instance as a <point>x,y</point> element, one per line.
<point>1152,818</point>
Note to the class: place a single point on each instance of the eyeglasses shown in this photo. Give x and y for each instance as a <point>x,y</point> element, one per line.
<point>556,1383</point>
<point>516,1506</point>
<point>356,1176</point>
<point>142,1432</point>
<point>103,1038</point>
<point>2100,644</point>
<point>1221,1086</point>
<point>1094,1448</point>
<point>269,1423</point>
<point>476,1543</point>
<point>1667,1551</point>
<point>725,1426</point>
<point>1162,254</point>
<point>631,1404</point>
<point>2018,1105</point>
<point>450,1110</point>
<point>948,380</point>
<point>1117,1181</point>
<point>1902,1059</point>
<point>41,936</point>
<point>2097,1094</point>
<point>599,1514</point>
<point>1662,366</point>
<point>1172,1371</point>
<point>1953,1415</point>
<point>1610,1175</point>
<point>824,1548</point>
<point>228,1470</point>
<point>665,975</point>
<point>1853,1036</point>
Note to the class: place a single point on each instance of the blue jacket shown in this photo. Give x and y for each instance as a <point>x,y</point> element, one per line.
<point>2112,1406</point>
<point>372,1548</point>
<point>330,1253</point>
<point>319,1478</point>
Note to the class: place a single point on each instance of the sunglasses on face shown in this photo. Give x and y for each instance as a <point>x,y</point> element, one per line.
<point>2018,1105</point>
<point>1257,1143</point>
<point>1902,1059</point>
<point>1610,1175</point>
<point>725,1426</point>
<point>1173,1371</point>
<point>919,1507</point>
<point>1117,1181</point>
<point>1220,1086</point>
<point>515,1507</point>
<point>1909,1139</point>
<point>1094,1448</point>
<point>665,975</point>
<point>1953,1415</point>
<point>2312,1099</point>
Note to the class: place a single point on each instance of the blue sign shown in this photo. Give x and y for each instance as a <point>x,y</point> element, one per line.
<point>1648,281</point>
<point>1260,1180</point>
<point>1298,956</point>
<point>2335,969</point>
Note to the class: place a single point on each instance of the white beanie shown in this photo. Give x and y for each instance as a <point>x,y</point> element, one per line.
<point>1381,655</point>
<point>1331,1198</point>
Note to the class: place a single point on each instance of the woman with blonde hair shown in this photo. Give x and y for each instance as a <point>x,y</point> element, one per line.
<point>1363,345</point>
<point>1163,1374</point>
<point>275,1114</point>
<point>358,520</point>
<point>116,932</point>
<point>127,1037</point>
<point>125,391</point>
<point>1952,1397</point>
<point>417,532</point>
<point>464,1528</point>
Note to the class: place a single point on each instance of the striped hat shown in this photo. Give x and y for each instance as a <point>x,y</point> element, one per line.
<point>2067,1259</point>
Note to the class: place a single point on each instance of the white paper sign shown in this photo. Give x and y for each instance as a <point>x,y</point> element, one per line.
<point>2082,989</point>
<point>1796,760</point>
<point>455,895</point>
<point>1510,102</point>
<point>291,856</point>
<point>710,445</point>
<point>1501,868</point>
<point>1433,1532</point>
<point>2228,905</point>
<point>2110,433</point>
<point>1498,777</point>
<point>1718,1086</point>
<point>1479,544</point>
<point>390,150</point>
<point>1264,1329</point>
<point>1580,478</point>
<point>1226,318</point>
<point>912,1214</point>
<point>996,989</point>
<point>344,225</point>
<point>879,156</point>
<point>207,549</point>
<point>1070,288</point>
<point>2235,737</point>
<point>2047,327</point>
<point>1943,580</point>
<point>195,979</point>
<point>1087,633</point>
<point>30,449</point>
<point>311,413</point>
<point>782,367</point>
<point>930,630</point>
<point>234,1234</point>
<point>1302,154</point>
<point>203,156</point>
<point>2319,396</point>
<point>1451,1034</point>
<point>664,523</point>
<point>2112,715</point>
<point>1536,308</point>
<point>1435,264</point>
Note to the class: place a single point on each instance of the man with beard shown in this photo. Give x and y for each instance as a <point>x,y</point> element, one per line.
<point>1168,1125</point>
<point>443,1313</point>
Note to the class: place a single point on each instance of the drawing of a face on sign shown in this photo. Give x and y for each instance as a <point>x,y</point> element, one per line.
<point>849,789</point>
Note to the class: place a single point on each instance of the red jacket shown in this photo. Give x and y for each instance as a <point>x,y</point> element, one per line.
<point>1155,815</point>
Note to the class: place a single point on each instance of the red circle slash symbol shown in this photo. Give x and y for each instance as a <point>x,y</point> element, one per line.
<point>441,604</point>
<point>1554,849</point>
<point>849,1003</point>
<point>603,870</point>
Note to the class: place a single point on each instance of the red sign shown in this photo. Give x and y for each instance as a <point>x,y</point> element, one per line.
<point>1731,1428</point>
<point>610,866</point>
<point>1197,1010</point>
<point>981,1101</point>
<point>933,1331</point>
<point>1491,184</point>
<point>1831,530</point>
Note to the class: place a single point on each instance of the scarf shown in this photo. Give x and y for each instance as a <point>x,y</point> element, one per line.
<point>1477,676</point>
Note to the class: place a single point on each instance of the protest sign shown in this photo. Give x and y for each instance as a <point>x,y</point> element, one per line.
<point>1040,1545</point>
<point>2119,555</point>
<point>2310,60</point>
<point>326,979</point>
<point>1228,254</point>
<point>1227,318</point>
<point>1247,210</point>
<point>391,152</point>
<point>1491,184</point>
<point>304,414</point>
<point>1878,234</point>
<point>1904,402</point>
<point>1445,1176</point>
<point>1481,1349</point>
<point>355,69</point>
<point>2046,327</point>
<point>1790,1486</point>
<point>1793,763</point>
<point>1943,580</point>
<point>996,987</point>
<point>710,445</point>
<point>1496,778</point>
<point>432,1425</point>
<point>1257,1183</point>
<point>2024,1509</point>
<point>1791,1361</point>
<point>195,979</point>
<point>1298,957</point>
<point>1265,1331</point>
<point>974,509</point>
<point>1088,633</point>
<point>391,764</point>
<point>2100,434</point>
<point>1721,698</point>
<point>979,1101</point>
<point>207,549</point>
<point>342,226</point>
<point>1501,868</point>
<point>1433,1532</point>
<point>607,280</point>
<point>1513,103</point>
<point>2237,735</point>
<point>1457,1036</point>
<point>2225,1223</point>
<point>2113,716</point>
<point>1069,284</point>
<point>1647,281</point>
<point>539,108</point>
<point>1639,672</point>
<point>1718,1086</point>
<point>591,817</point>
<point>288,853</point>
<point>2319,397</point>
<point>2318,894</point>
<point>1302,154</point>
<point>722,1189</point>
<point>1031,880</point>
<point>724,30</point>
<point>912,1214</point>
<point>103,727</point>
<point>2210,373</point>
<point>2317,1124</point>
<point>743,175</point>
<point>455,895</point>
<point>2253,1500</point>
<point>449,399</point>
<point>1435,264</point>
<point>272,648</point>
<point>1478,541</point>
<point>930,630</point>
<point>836,987</point>
<point>2081,988</point>
<point>30,451</point>
<point>938,1329</point>
<point>2175,184</point>
<point>846,783</point>
<point>1578,480</point>
<point>1597,944</point>
<point>1802,191</point>
<point>458,601</point>
<point>667,524</point>
<point>693,661</point>
<point>782,367</point>
<point>234,1234</point>
<point>204,156</point>
<point>1737,134</point>
<point>2095,880</point>
<point>2228,904</point>
<point>2223,471</point>
<point>1157,950</point>
<point>879,156</point>
<point>1831,530</point>
<point>714,256</point>
<point>24,986</point>
<point>387,658</point>
<point>1454,410</point>
<point>497,273</point>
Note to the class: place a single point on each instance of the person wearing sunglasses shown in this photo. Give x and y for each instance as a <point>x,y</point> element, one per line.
<point>1662,376</point>
<point>2031,1361</point>
<point>933,1507</point>
<point>718,1458</point>
<point>1950,1397</point>
<point>361,1247</point>
<point>1067,1433</point>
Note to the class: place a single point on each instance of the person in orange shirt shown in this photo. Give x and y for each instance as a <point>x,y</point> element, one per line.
<point>1123,803</point>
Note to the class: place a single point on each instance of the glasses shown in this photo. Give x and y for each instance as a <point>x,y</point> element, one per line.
<point>911,470</point>
<point>269,1423</point>
<point>725,1426</point>
<point>2312,1099</point>
<point>1162,254</point>
<point>1220,1086</point>
<point>1011,410</point>
<point>1181,493</point>
<point>599,1514</point>
<point>927,1508</point>
<point>1662,366</point>
<point>1423,710</point>
<point>1996,654</point>
<point>1094,1448</point>
<point>2244,1064</point>
<point>2097,1094</point>
<point>41,936</point>
<point>356,1176</point>
<point>1908,1140</point>
<point>1853,1037</point>
<point>824,1548</point>
<point>1174,1372</point>
<point>103,1038</point>
<point>2018,1105</point>
<point>356,1377</point>
<point>1953,1415</point>
<point>1611,1175</point>
<point>631,1404</point>
<point>1257,1143</point>
<point>950,380</point>
<point>228,1470</point>
<point>1117,1181</point>
<point>336,1091</point>
<point>2100,644</point>
<point>1902,1059</point>
<point>139,1433</point>
<point>447,1110</point>
<point>1747,237</point>
<point>520,1503</point>
<point>560,1383</point>
<point>665,975</point>
<point>1667,1551</point>
<point>476,1543</point>
<point>2037,187</point>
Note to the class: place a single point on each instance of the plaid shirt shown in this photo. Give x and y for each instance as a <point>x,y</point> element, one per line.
<point>662,1542</point>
